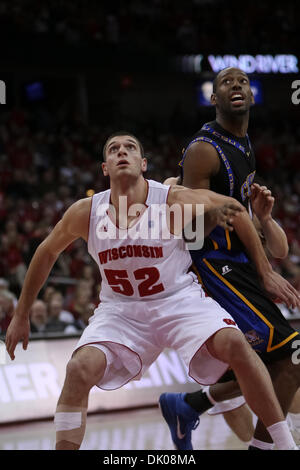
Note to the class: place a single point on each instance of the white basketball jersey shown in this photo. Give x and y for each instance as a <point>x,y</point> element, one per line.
<point>143,262</point>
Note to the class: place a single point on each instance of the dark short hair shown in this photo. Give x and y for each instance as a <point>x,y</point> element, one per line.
<point>118,134</point>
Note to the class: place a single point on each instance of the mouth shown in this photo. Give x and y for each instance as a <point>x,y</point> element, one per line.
<point>122,162</point>
<point>237,99</point>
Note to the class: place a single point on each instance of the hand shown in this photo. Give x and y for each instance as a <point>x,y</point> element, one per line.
<point>18,330</point>
<point>280,289</point>
<point>262,201</point>
<point>225,214</point>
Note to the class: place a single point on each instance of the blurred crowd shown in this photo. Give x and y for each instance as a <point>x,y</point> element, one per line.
<point>43,170</point>
<point>50,159</point>
<point>183,27</point>
<point>54,312</point>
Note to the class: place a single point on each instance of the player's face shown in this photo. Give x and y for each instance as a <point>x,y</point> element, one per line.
<point>233,92</point>
<point>123,158</point>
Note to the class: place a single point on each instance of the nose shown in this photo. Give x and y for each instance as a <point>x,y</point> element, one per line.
<point>122,150</point>
<point>236,84</point>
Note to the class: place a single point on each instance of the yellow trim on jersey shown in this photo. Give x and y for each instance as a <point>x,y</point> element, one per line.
<point>216,246</point>
<point>228,239</point>
<point>254,309</point>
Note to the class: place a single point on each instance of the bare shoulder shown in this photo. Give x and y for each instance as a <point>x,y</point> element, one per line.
<point>204,155</point>
<point>200,164</point>
<point>77,217</point>
<point>171,181</point>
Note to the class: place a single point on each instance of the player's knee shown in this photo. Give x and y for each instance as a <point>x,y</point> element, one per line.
<point>76,372</point>
<point>80,373</point>
<point>237,348</point>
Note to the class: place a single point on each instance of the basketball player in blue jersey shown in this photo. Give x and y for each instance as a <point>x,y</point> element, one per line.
<point>233,267</point>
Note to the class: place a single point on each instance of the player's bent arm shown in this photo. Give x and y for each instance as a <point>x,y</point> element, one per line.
<point>200,165</point>
<point>73,225</point>
<point>275,237</point>
<point>248,235</point>
<point>217,209</point>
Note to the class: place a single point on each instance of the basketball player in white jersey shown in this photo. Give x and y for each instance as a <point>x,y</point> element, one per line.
<point>149,300</point>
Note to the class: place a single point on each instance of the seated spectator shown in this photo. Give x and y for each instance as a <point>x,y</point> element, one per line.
<point>49,290</point>
<point>81,322</point>
<point>56,301</point>
<point>38,317</point>
<point>6,309</point>
<point>82,298</point>
<point>54,324</point>
<point>4,286</point>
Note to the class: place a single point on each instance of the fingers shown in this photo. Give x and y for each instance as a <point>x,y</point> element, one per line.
<point>254,191</point>
<point>283,298</point>
<point>294,296</point>
<point>10,348</point>
<point>257,189</point>
<point>277,287</point>
<point>288,299</point>
<point>295,292</point>
<point>227,214</point>
<point>226,225</point>
<point>25,343</point>
<point>234,206</point>
<point>289,295</point>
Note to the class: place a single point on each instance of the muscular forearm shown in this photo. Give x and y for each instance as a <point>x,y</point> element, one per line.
<point>247,233</point>
<point>37,274</point>
<point>275,238</point>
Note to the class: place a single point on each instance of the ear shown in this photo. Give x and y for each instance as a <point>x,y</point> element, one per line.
<point>144,165</point>
<point>104,168</point>
<point>252,98</point>
<point>213,99</point>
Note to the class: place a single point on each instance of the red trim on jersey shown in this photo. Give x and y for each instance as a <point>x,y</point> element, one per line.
<point>89,220</point>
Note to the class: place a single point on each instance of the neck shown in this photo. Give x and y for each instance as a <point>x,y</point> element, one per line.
<point>135,191</point>
<point>236,125</point>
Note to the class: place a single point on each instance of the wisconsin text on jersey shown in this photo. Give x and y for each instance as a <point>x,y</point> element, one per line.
<point>130,251</point>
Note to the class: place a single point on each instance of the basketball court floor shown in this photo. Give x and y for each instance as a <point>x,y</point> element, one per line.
<point>142,429</point>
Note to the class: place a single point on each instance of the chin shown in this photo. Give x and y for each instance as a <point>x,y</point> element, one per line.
<point>239,111</point>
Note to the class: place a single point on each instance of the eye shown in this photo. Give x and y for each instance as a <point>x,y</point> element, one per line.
<point>113,149</point>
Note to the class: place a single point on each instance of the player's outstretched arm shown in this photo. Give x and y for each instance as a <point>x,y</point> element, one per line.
<point>218,209</point>
<point>73,225</point>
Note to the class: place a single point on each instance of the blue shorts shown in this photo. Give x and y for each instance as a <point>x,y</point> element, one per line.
<point>236,287</point>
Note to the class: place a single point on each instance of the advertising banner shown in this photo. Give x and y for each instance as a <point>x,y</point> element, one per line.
<point>31,384</point>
